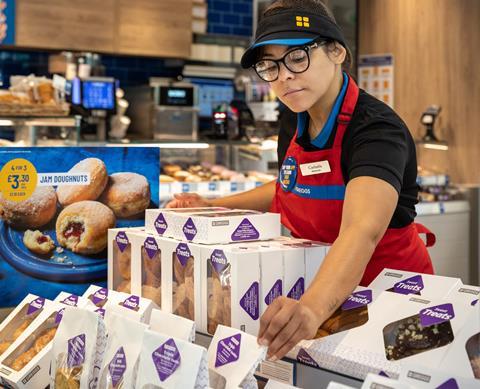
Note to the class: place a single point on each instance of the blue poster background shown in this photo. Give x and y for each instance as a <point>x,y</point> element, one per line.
<point>21,272</point>
<point>9,14</point>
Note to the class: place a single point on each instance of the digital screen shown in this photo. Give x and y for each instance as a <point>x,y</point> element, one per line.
<point>211,93</point>
<point>177,96</point>
<point>98,94</point>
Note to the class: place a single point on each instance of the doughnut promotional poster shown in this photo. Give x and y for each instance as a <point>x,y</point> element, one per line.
<point>56,206</point>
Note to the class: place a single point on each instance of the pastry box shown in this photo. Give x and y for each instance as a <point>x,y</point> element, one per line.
<point>230,288</point>
<point>426,286</point>
<point>26,364</point>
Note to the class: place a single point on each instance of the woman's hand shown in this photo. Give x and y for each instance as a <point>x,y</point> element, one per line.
<point>188,200</point>
<point>286,322</point>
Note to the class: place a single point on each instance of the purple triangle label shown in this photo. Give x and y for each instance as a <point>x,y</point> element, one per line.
<point>71,300</point>
<point>218,260</point>
<point>160,224</point>
<point>100,295</point>
<point>304,358</point>
<point>250,301</point>
<point>132,303</point>
<point>35,305</point>
<point>245,231</point>
<point>183,253</point>
<point>122,241</point>
<point>436,315</point>
<point>449,384</point>
<point>228,350</point>
<point>166,359</point>
<point>150,246</point>
<point>59,316</point>
<point>189,229</point>
<point>274,292</point>
<point>383,374</point>
<point>474,302</point>
<point>410,285</point>
<point>357,299</point>
<point>117,366</point>
<point>101,312</point>
<point>76,351</point>
<point>298,289</point>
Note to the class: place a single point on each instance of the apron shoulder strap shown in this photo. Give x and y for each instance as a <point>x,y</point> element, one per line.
<point>346,112</point>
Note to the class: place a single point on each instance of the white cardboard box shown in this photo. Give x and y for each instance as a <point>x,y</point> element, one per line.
<point>294,268</point>
<point>181,278</point>
<point>463,356</point>
<point>120,241</point>
<point>420,377</point>
<point>172,325</point>
<point>215,227</point>
<point>271,272</point>
<point>34,347</point>
<point>402,327</point>
<point>19,320</point>
<point>230,288</point>
<point>377,381</point>
<point>425,285</point>
<point>160,221</point>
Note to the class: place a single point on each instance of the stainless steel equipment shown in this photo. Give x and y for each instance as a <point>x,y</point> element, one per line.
<point>174,111</point>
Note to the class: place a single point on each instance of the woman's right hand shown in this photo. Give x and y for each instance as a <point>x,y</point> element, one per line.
<point>188,200</point>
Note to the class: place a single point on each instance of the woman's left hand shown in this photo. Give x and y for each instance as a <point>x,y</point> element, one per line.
<point>286,322</point>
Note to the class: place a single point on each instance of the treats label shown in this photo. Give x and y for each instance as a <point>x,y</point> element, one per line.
<point>297,291</point>
<point>357,299</point>
<point>436,315</point>
<point>449,384</point>
<point>76,351</point>
<point>71,300</point>
<point>117,366</point>
<point>245,231</point>
<point>410,285</point>
<point>249,301</point>
<point>122,241</point>
<point>161,224</point>
<point>218,260</point>
<point>306,359</point>
<point>100,295</point>
<point>101,312</point>
<point>189,229</point>
<point>132,303</point>
<point>35,305</point>
<point>228,350</point>
<point>151,247</point>
<point>474,302</point>
<point>274,292</point>
<point>166,359</point>
<point>59,316</point>
<point>183,253</point>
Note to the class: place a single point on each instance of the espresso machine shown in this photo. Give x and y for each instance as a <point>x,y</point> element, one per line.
<point>174,112</point>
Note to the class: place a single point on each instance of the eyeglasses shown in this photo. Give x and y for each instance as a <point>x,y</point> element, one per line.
<point>296,60</point>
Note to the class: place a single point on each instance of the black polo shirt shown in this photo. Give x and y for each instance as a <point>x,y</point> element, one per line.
<point>377,143</point>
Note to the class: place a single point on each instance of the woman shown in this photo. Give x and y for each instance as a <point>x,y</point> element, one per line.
<point>348,175</point>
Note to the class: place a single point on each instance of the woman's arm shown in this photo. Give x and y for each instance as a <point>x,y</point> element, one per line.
<point>367,211</point>
<point>259,199</point>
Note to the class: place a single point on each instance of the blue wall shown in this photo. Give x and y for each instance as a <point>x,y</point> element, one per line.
<point>232,17</point>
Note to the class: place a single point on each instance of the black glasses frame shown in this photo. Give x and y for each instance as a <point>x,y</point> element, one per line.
<point>306,48</point>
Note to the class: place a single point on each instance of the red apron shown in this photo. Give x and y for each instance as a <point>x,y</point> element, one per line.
<point>311,205</point>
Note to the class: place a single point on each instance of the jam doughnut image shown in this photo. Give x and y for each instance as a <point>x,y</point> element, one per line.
<point>127,194</point>
<point>33,212</point>
<point>69,194</point>
<point>82,227</point>
<point>38,243</point>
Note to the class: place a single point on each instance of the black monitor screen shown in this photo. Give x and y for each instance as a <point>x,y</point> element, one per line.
<point>176,96</point>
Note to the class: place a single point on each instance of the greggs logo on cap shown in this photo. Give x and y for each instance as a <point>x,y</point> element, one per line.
<point>302,21</point>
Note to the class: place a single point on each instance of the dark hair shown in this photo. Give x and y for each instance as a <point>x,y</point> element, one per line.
<point>313,6</point>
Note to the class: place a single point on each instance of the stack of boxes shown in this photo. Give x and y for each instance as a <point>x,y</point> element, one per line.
<point>214,266</point>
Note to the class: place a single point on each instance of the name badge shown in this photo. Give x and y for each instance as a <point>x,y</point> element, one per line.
<point>309,169</point>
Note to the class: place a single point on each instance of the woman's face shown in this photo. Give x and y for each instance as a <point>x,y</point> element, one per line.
<point>300,91</point>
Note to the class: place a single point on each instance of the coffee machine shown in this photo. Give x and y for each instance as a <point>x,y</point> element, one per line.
<point>174,113</point>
